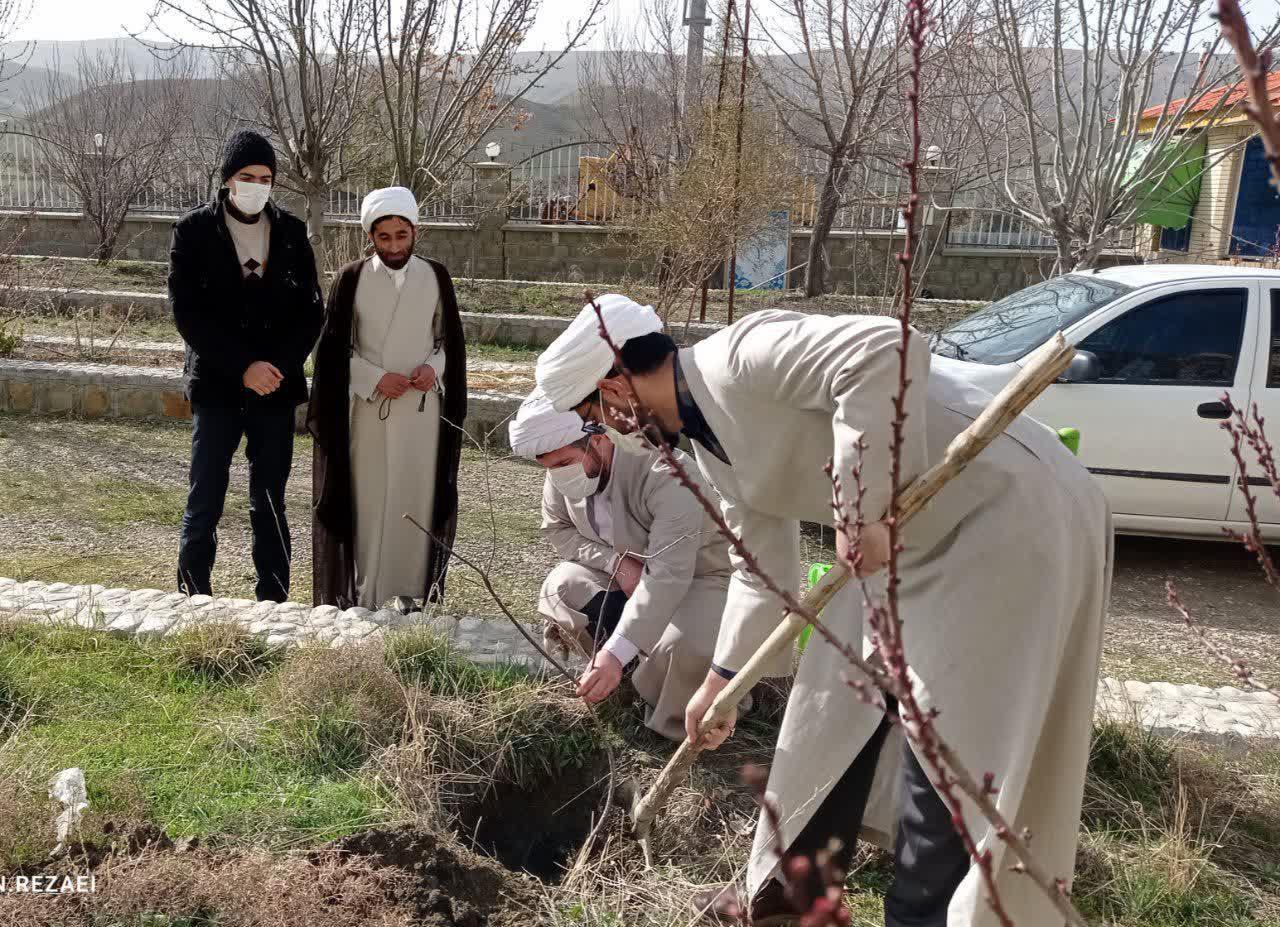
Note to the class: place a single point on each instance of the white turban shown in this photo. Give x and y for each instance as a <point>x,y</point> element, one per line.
<point>540,429</point>
<point>569,369</point>
<point>389,201</point>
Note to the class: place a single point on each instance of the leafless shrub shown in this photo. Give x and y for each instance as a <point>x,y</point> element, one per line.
<point>709,205</point>
<point>109,133</point>
<point>446,74</point>
<point>301,71</point>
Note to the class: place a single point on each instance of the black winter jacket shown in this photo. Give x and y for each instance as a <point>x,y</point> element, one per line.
<point>228,325</point>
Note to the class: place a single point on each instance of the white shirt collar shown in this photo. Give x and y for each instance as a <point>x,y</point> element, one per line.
<point>399,276</point>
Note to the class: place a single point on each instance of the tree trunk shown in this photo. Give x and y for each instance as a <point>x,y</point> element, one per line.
<point>1086,255</point>
<point>815,274</point>
<point>315,226</point>
<point>108,236</point>
<point>1064,242</point>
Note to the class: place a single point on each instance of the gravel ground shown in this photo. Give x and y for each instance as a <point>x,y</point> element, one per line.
<point>100,502</point>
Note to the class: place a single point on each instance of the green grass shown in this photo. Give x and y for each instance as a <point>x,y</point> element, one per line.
<point>423,659</point>
<point>1178,835</point>
<point>209,733</point>
<point>137,329</point>
<point>189,752</point>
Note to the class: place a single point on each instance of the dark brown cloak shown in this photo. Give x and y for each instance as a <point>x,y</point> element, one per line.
<point>329,421</point>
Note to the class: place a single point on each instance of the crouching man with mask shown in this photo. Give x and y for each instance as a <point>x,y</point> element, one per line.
<point>644,571</point>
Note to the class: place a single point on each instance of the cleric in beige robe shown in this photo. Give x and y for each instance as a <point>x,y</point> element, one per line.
<point>1005,584</point>
<point>643,573</point>
<point>391,369</point>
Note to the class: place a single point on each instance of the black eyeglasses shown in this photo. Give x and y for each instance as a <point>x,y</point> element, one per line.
<point>592,428</point>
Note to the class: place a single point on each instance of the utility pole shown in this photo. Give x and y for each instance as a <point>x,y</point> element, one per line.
<point>696,20</point>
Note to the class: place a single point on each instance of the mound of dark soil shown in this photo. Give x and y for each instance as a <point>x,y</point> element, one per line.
<point>400,877</point>
<point>447,885</point>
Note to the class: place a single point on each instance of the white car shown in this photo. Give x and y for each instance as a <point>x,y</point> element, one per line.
<point>1158,346</point>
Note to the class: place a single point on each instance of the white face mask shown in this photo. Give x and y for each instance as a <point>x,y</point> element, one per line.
<point>634,443</point>
<point>572,481</point>
<point>250,198</point>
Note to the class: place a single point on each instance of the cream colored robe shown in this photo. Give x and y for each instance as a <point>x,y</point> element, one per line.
<point>1005,580</point>
<point>674,614</point>
<point>393,462</point>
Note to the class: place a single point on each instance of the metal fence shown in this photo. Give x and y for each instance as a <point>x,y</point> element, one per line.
<point>30,179</point>
<point>455,201</point>
<point>573,182</point>
<point>583,181</point>
<point>980,218</point>
<point>872,198</point>
<point>976,220</point>
<point>27,181</point>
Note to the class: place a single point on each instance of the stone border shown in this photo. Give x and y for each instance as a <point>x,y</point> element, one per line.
<point>114,391</point>
<point>150,613</point>
<point>1222,716</point>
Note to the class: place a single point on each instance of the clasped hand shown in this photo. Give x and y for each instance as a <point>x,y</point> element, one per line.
<point>395,385</point>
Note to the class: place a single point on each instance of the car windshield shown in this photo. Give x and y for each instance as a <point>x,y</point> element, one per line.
<point>1010,328</point>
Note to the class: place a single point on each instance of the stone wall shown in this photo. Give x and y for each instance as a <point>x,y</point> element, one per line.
<point>104,391</point>
<point>860,262</point>
<point>864,263</point>
<point>515,330</point>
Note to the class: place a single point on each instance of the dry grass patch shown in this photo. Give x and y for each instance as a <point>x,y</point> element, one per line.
<point>334,706</point>
<point>221,651</point>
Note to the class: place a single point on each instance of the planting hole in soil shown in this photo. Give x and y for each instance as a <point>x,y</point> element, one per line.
<point>537,830</point>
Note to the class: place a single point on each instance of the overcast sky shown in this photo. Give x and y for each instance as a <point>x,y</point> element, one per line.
<point>97,19</point>
<point>100,19</point>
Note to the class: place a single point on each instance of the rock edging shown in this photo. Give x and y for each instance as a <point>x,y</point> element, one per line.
<point>1223,715</point>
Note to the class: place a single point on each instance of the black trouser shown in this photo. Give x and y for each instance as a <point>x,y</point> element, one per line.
<point>604,612</point>
<point>930,860</point>
<point>268,433</point>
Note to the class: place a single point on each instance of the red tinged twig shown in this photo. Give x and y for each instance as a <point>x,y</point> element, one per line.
<point>1255,66</point>
<point>885,618</point>
<point>1245,431</point>
<point>822,908</point>
<point>1242,433</point>
<point>1239,667</point>
<point>918,723</point>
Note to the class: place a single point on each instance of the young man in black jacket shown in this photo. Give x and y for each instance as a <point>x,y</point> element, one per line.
<point>246,299</point>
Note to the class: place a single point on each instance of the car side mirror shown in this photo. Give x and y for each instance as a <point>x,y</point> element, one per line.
<point>1084,368</point>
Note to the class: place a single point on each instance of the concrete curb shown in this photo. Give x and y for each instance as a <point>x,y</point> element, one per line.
<point>111,391</point>
<point>489,327</point>
<point>151,613</point>
<point>1221,716</point>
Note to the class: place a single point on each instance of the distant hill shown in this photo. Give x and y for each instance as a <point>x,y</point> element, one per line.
<point>17,90</point>
<point>554,105</point>
<point>56,55</point>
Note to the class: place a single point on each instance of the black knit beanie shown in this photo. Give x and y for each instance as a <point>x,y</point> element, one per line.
<point>247,147</point>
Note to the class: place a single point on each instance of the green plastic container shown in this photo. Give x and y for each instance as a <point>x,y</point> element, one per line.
<point>816,572</point>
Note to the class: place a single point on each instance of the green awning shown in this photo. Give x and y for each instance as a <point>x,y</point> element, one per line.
<point>1169,194</point>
